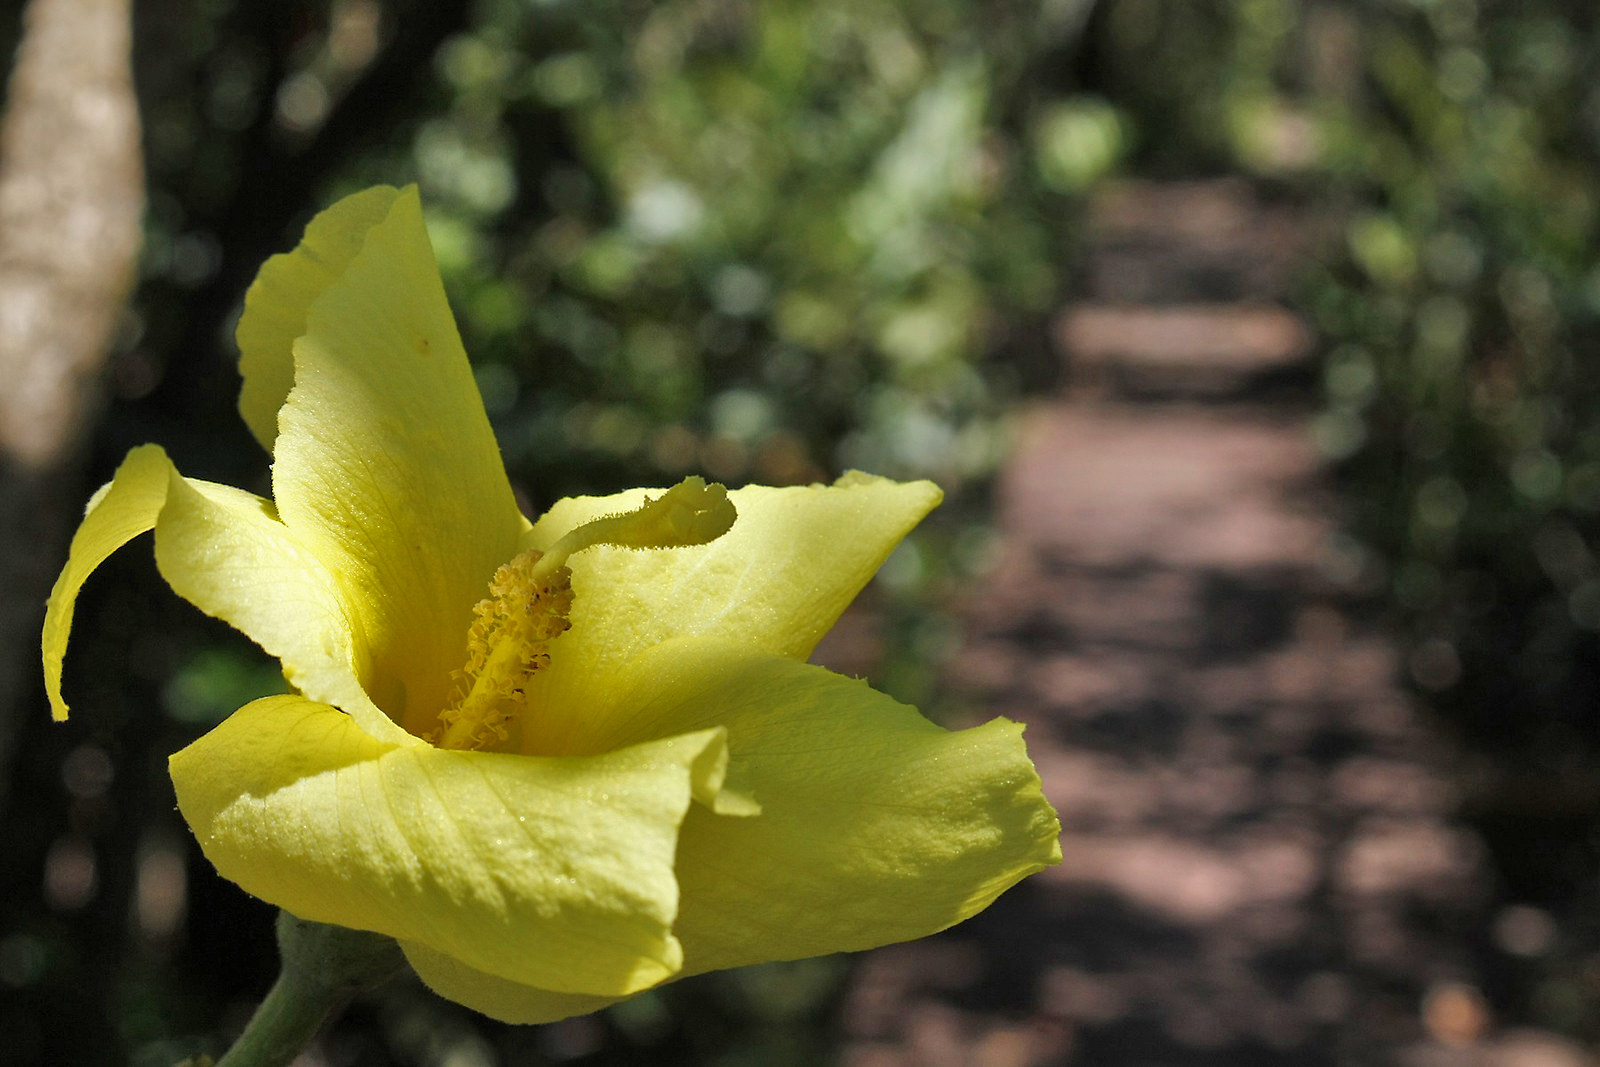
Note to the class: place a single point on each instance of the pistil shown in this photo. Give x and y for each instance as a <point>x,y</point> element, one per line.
<point>530,599</point>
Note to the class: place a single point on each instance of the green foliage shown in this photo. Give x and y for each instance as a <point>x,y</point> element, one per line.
<point>1449,150</point>
<point>1449,147</point>
<point>770,239</point>
<point>217,681</point>
<point>763,240</point>
<point>780,247</point>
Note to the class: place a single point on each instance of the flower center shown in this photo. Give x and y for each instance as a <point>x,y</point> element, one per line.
<point>508,642</point>
<point>531,596</point>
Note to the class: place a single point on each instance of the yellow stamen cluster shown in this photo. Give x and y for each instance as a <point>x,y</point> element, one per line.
<point>530,598</point>
<point>509,641</point>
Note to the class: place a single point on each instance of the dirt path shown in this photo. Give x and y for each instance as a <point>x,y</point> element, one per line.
<point>1262,863</point>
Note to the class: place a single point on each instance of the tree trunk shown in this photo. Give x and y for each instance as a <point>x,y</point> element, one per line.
<point>71,207</point>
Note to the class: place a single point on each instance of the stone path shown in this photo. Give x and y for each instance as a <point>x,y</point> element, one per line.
<point>1262,863</point>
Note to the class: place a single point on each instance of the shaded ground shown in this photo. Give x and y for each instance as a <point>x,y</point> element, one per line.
<point>1262,861</point>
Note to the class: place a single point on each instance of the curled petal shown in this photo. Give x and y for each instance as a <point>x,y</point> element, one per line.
<point>224,551</point>
<point>121,510</point>
<point>275,306</point>
<point>777,581</point>
<point>556,873</point>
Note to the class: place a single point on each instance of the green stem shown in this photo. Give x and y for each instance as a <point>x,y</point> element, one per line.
<point>323,967</point>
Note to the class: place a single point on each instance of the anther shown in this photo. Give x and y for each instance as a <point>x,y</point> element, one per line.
<point>531,596</point>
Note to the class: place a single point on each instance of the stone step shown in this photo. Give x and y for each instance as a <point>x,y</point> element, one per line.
<point>1214,240</point>
<point>1149,486</point>
<point>1204,351</point>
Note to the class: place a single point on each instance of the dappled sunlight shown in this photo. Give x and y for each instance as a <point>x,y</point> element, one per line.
<point>1262,860</point>
<point>1253,345</point>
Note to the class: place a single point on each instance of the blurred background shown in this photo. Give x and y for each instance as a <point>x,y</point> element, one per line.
<point>1253,342</point>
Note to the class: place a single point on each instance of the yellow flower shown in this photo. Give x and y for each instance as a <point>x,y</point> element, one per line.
<point>560,762</point>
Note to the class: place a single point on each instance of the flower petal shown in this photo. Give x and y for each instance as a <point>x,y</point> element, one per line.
<point>498,998</point>
<point>777,581</point>
<point>386,467</point>
<point>118,512</point>
<point>224,551</point>
<point>876,825</point>
<point>548,872</point>
<point>275,306</point>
